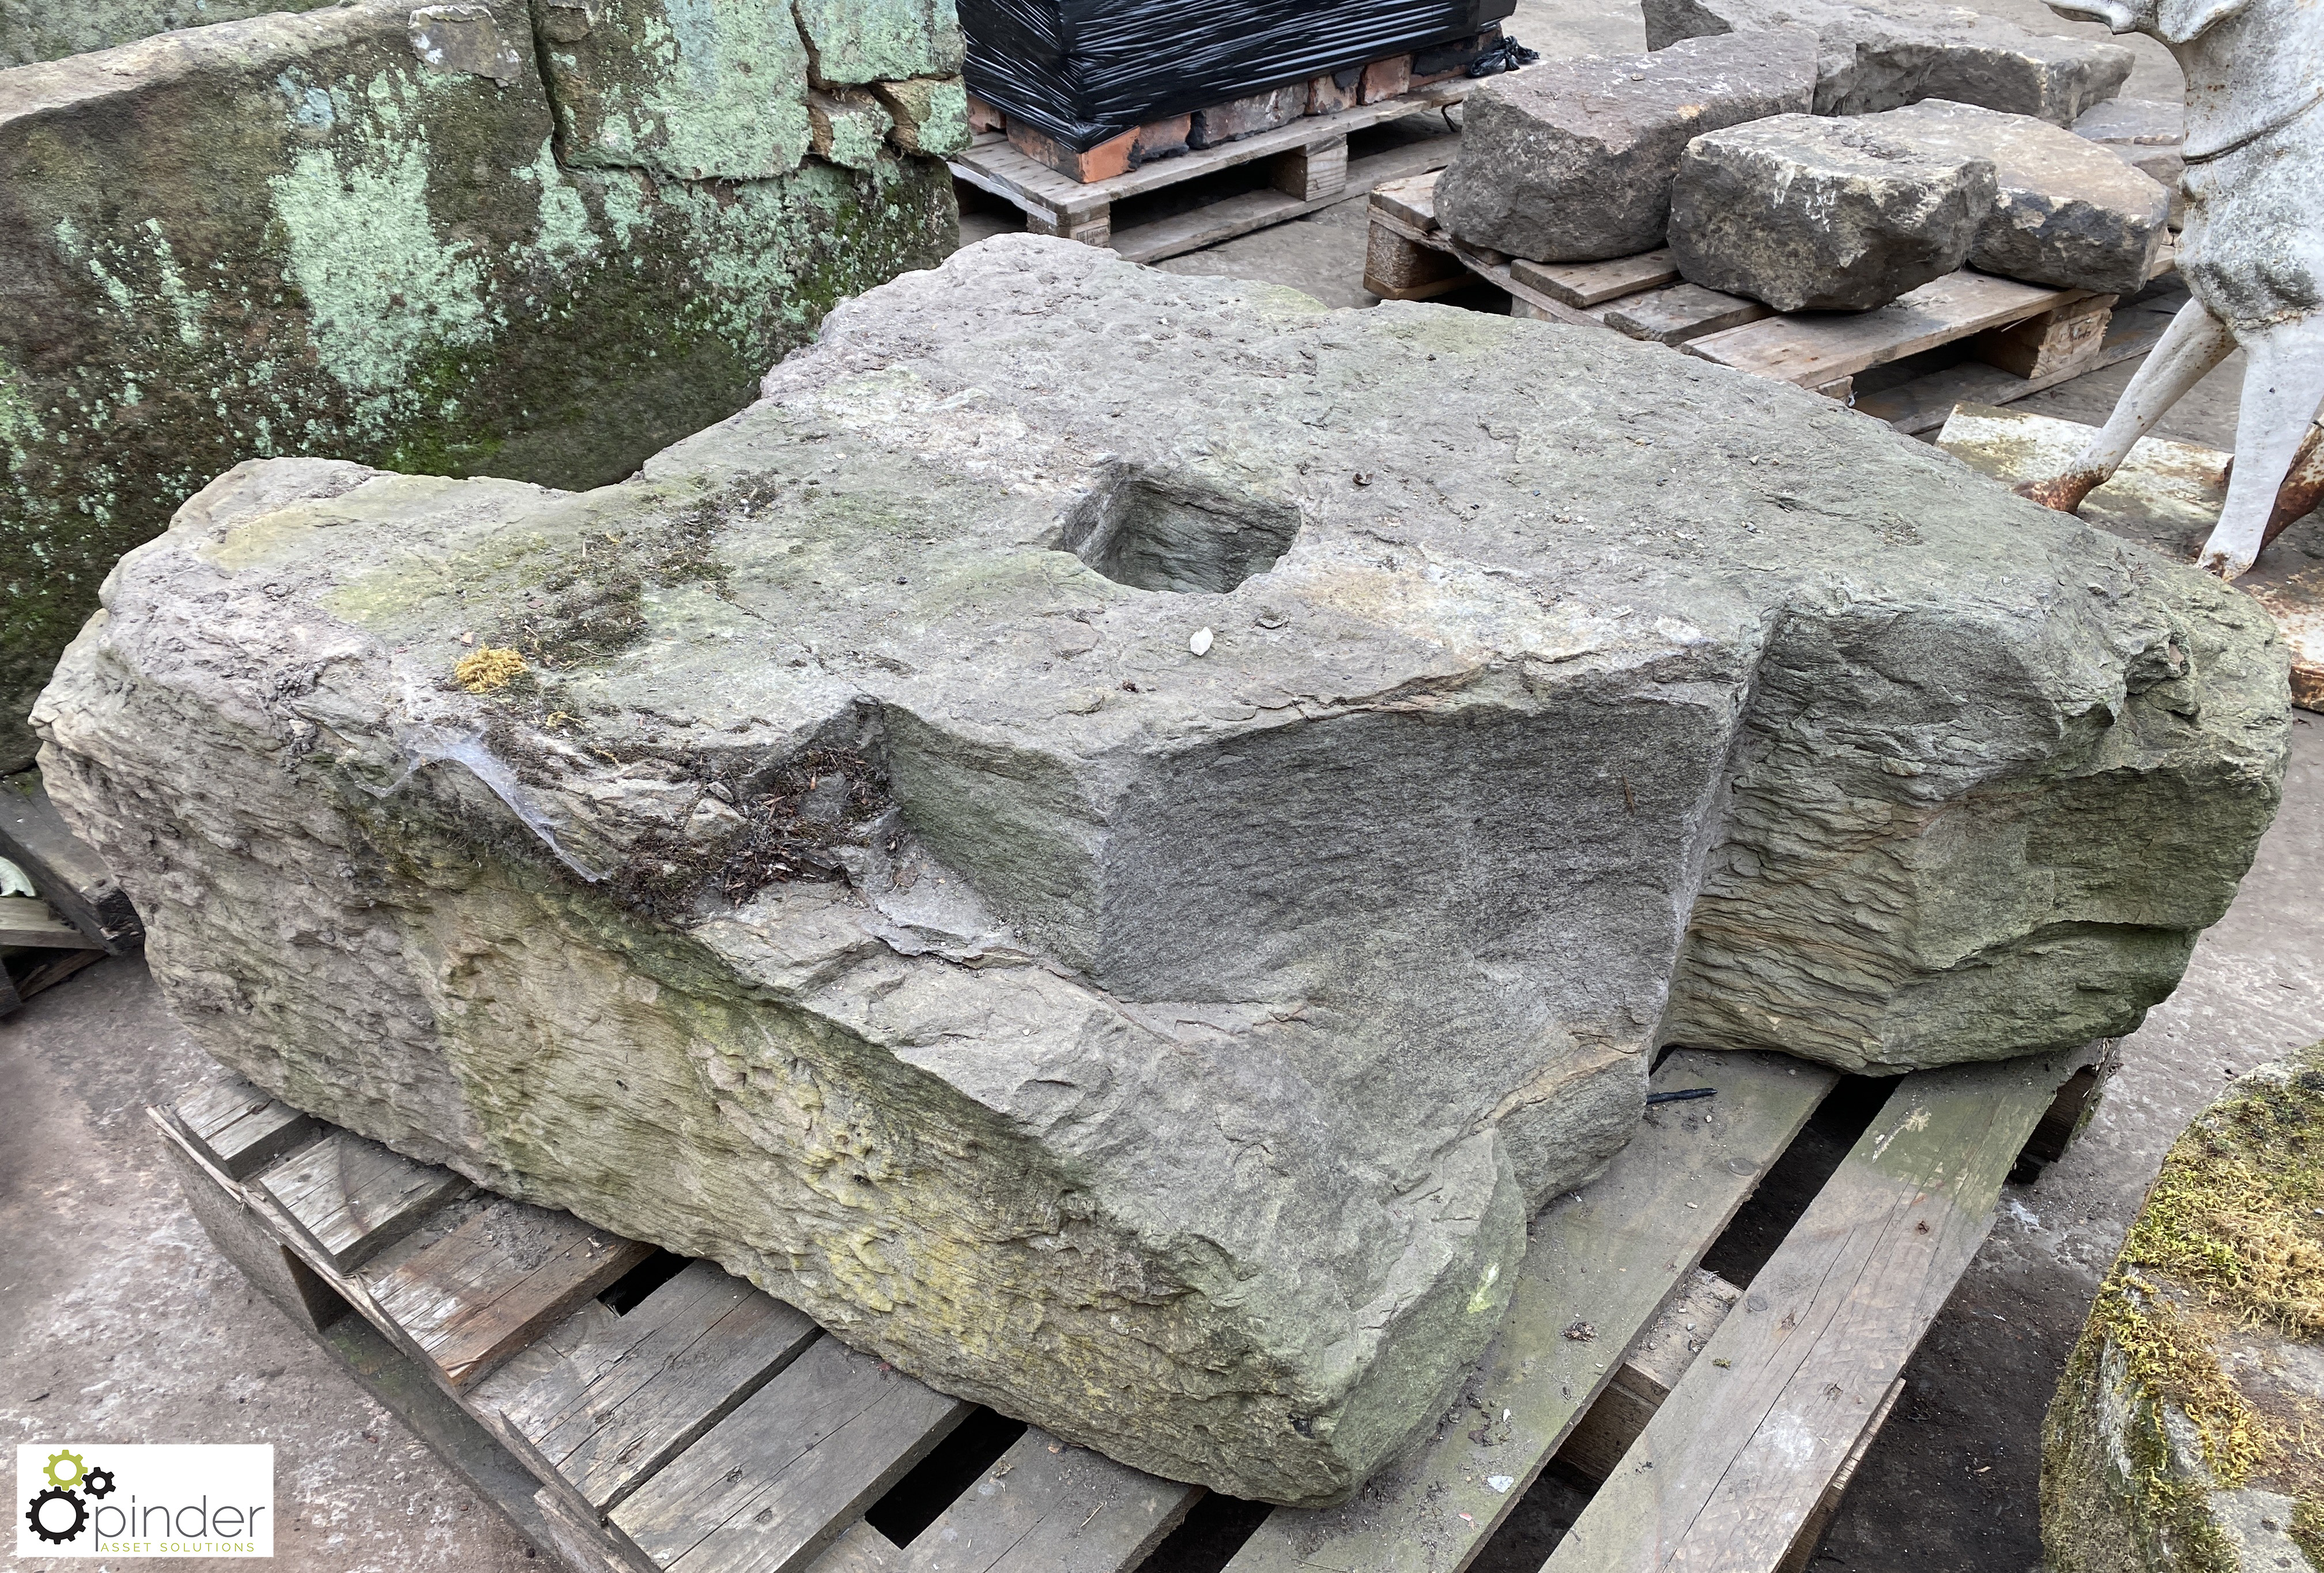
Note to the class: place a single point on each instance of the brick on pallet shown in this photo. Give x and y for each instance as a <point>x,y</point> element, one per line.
<point>1248,117</point>
<point>1387,79</point>
<point>1338,90</point>
<point>1102,163</point>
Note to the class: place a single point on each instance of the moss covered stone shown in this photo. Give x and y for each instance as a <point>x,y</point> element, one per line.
<point>296,235</point>
<point>2183,1435</point>
<point>49,30</point>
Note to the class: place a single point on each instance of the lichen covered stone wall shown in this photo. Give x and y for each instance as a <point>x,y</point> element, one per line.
<point>378,232</point>
<point>49,30</point>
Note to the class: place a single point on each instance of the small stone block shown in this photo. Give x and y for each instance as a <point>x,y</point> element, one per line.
<point>1387,79</point>
<point>930,115</point>
<point>847,127</point>
<point>1102,163</point>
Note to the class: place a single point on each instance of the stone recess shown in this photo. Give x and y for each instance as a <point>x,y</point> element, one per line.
<point>1573,160</point>
<point>1111,851</point>
<point>2183,1432</point>
<point>2066,212</point>
<point>1883,54</point>
<point>1813,214</point>
<point>348,233</point>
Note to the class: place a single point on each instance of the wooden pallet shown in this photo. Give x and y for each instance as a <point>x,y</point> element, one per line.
<point>2022,338</point>
<point>1310,171</point>
<point>80,915</point>
<point>712,1429</point>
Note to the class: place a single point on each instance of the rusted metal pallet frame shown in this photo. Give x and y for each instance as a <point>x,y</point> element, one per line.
<point>1614,1328</point>
<point>2030,338</point>
<point>1313,171</point>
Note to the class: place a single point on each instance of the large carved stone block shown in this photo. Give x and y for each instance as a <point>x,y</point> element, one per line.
<point>1117,834</point>
<point>1881,54</point>
<point>1572,162</point>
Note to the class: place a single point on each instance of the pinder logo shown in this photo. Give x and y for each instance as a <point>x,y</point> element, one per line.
<point>191,1500</point>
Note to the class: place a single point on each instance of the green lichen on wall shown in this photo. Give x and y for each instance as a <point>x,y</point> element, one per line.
<point>880,40</point>
<point>49,29</point>
<point>699,89</point>
<point>287,246</point>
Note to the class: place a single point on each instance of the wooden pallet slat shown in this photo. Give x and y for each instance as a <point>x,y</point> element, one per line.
<point>1811,350</point>
<point>241,1129</point>
<point>1674,313</point>
<point>1738,1457</point>
<point>491,1285</point>
<point>1602,1262</point>
<point>1595,283</point>
<point>1253,210</point>
<point>605,1401</point>
<point>781,1477</point>
<point>1044,1507</point>
<point>66,869</point>
<point>352,1198</point>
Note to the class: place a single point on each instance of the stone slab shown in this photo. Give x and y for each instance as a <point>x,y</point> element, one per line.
<point>2066,212</point>
<point>1813,214</point>
<point>1112,850</point>
<point>1883,54</point>
<point>1573,160</point>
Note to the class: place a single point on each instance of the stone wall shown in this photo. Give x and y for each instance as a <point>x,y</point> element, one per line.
<point>459,239</point>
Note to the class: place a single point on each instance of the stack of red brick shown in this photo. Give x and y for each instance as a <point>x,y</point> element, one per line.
<point>1368,83</point>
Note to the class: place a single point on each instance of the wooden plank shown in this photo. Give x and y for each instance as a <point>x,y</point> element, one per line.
<point>605,1401</point>
<point>240,1129</point>
<point>1679,312</point>
<point>1049,1507</point>
<point>1411,200</point>
<point>1602,1262</point>
<point>1810,1535</point>
<point>1739,1454</point>
<point>778,1480</point>
<point>990,164</point>
<point>1235,215</point>
<point>1595,283</point>
<point>26,920</point>
<point>352,1198</point>
<point>1400,267</point>
<point>1315,171</point>
<point>1925,403</point>
<point>479,1293</point>
<point>1650,1368</point>
<point>2060,340</point>
<point>1813,350</point>
<point>29,972</point>
<point>64,869</point>
<point>243,1237</point>
<point>1495,272</point>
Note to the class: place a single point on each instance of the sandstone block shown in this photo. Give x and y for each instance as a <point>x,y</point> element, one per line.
<point>1573,160</point>
<point>1813,214</point>
<point>690,91</point>
<point>1883,54</point>
<point>931,113</point>
<point>848,127</point>
<point>2183,1434</point>
<point>858,43</point>
<point>1114,836</point>
<point>2066,211</point>
<point>2150,134</point>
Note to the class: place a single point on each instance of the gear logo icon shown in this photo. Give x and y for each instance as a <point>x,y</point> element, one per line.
<point>67,1470</point>
<point>99,1484</point>
<point>40,1518</point>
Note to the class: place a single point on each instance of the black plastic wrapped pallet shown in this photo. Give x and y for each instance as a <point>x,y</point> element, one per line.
<point>1083,70</point>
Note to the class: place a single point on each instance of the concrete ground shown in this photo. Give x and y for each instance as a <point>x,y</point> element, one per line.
<point>126,1325</point>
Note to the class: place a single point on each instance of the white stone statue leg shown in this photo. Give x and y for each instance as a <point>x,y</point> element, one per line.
<point>2282,391</point>
<point>2193,344</point>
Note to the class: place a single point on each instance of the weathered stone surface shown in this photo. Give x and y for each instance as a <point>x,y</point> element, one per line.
<point>848,127</point>
<point>692,90</point>
<point>1812,214</point>
<point>931,113</point>
<point>2183,1434</point>
<point>2066,212</point>
<point>2150,134</point>
<point>1882,54</point>
<point>347,233</point>
<point>1572,160</point>
<point>49,30</point>
<point>857,43</point>
<point>1114,836</point>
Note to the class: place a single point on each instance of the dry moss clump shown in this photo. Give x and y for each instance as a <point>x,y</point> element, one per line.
<point>488,670</point>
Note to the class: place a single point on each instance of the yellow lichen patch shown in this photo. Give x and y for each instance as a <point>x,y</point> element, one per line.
<point>2232,1226</point>
<point>488,670</point>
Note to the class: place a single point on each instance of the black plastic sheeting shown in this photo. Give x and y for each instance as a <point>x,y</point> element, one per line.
<point>1083,70</point>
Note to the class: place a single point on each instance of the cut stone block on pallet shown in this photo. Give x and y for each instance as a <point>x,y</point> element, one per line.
<point>2066,212</point>
<point>1572,160</point>
<point>1883,54</point>
<point>1813,214</point>
<point>2150,134</point>
<point>1112,856</point>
